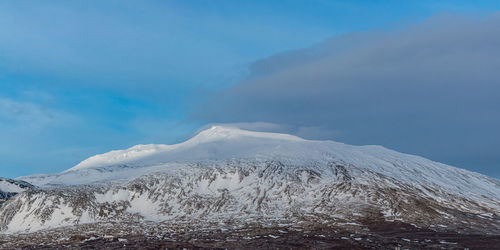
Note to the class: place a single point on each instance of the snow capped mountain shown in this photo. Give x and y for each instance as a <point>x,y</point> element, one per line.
<point>226,173</point>
<point>218,142</point>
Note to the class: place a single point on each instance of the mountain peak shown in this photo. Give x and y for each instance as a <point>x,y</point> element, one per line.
<point>204,142</point>
<point>220,132</point>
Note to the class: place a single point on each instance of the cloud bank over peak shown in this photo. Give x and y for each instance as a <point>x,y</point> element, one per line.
<point>432,89</point>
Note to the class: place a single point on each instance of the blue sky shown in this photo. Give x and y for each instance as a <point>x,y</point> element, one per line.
<point>78,78</point>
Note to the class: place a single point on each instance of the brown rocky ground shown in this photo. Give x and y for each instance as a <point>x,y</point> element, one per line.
<point>372,235</point>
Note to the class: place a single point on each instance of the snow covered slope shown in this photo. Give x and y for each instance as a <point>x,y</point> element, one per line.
<point>9,188</point>
<point>229,173</point>
<point>226,143</point>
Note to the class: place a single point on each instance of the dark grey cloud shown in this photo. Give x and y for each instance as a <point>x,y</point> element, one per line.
<point>432,89</point>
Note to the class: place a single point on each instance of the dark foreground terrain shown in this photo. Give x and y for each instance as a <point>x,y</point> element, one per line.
<point>380,235</point>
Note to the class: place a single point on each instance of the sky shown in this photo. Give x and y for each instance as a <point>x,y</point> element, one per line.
<point>79,78</point>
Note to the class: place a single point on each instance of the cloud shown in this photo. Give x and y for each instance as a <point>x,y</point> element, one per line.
<point>25,113</point>
<point>301,131</point>
<point>431,89</point>
<point>252,126</point>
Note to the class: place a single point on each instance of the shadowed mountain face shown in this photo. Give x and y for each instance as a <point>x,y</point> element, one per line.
<point>246,179</point>
<point>9,188</point>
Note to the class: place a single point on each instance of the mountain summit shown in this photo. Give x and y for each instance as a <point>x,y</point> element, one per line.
<point>235,176</point>
<point>215,142</point>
